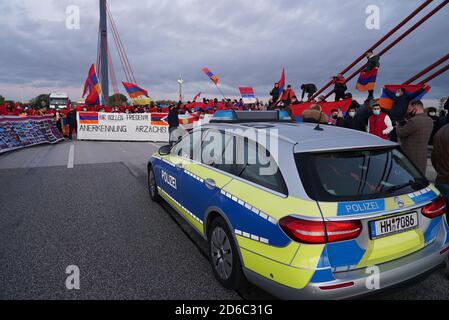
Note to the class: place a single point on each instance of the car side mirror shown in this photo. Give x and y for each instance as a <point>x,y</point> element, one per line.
<point>164,150</point>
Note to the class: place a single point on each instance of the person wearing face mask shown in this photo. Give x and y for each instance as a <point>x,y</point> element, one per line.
<point>415,134</point>
<point>379,123</point>
<point>401,101</point>
<point>351,121</point>
<point>334,117</point>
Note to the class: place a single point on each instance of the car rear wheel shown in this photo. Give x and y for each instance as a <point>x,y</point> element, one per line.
<point>152,186</point>
<point>224,256</point>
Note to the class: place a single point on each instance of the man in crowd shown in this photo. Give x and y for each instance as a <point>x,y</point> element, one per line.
<point>440,160</point>
<point>363,113</point>
<point>351,121</point>
<point>308,88</point>
<point>275,93</point>
<point>401,101</point>
<point>379,123</point>
<point>71,120</point>
<point>314,115</point>
<point>173,123</point>
<point>287,96</point>
<point>415,135</point>
<point>373,62</point>
<point>432,113</point>
<point>340,86</point>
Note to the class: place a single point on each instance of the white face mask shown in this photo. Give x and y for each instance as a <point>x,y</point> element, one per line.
<point>432,114</point>
<point>352,114</point>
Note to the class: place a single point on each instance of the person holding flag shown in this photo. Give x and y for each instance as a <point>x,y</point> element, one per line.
<point>368,77</point>
<point>401,100</point>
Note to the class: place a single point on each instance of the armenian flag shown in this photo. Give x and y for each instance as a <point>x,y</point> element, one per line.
<point>415,92</point>
<point>93,87</point>
<point>212,76</point>
<point>367,80</point>
<point>88,117</point>
<point>134,91</point>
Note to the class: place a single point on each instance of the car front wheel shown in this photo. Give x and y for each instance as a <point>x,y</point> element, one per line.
<point>152,186</point>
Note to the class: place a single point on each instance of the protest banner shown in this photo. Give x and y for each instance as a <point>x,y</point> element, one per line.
<point>20,132</point>
<point>122,126</point>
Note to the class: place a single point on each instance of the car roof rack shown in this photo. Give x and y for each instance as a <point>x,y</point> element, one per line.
<point>232,116</point>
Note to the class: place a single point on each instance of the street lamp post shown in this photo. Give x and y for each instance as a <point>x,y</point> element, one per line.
<point>180,82</point>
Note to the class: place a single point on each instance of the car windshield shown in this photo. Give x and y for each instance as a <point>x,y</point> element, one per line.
<point>358,175</point>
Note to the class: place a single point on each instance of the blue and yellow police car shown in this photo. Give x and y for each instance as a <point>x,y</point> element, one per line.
<point>302,211</point>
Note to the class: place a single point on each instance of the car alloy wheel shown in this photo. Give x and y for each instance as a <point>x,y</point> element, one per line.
<point>221,253</point>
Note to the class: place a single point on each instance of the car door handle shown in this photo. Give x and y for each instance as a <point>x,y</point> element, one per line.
<point>210,184</point>
<point>179,166</point>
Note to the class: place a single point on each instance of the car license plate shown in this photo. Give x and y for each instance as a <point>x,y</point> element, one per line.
<point>393,225</point>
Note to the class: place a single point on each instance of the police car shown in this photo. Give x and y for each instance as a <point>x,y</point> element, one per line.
<point>308,213</point>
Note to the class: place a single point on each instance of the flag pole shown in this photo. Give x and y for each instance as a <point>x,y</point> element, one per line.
<point>221,92</point>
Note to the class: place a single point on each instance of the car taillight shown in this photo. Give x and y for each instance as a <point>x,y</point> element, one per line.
<point>316,232</point>
<point>435,209</point>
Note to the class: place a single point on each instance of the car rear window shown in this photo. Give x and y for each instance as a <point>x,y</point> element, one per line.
<point>358,175</point>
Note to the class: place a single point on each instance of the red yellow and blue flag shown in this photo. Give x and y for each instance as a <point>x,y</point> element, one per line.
<point>134,91</point>
<point>212,76</point>
<point>88,117</point>
<point>367,80</point>
<point>414,91</point>
<point>93,87</point>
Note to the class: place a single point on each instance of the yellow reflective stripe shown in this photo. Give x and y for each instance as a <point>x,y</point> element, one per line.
<point>269,203</point>
<point>278,272</point>
<point>392,247</point>
<point>284,255</point>
<point>308,256</point>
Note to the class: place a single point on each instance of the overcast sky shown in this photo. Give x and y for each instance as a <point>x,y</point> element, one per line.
<point>245,43</point>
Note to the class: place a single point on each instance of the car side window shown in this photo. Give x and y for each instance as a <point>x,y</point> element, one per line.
<point>186,147</point>
<point>214,143</point>
<point>256,160</point>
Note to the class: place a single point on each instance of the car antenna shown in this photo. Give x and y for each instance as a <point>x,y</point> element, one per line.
<point>318,127</point>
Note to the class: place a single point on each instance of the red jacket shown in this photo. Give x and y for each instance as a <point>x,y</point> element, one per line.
<point>377,125</point>
<point>287,95</point>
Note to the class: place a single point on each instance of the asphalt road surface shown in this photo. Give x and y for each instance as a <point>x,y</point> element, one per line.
<point>86,204</point>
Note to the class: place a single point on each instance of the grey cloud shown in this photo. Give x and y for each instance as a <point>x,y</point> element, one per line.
<point>243,42</point>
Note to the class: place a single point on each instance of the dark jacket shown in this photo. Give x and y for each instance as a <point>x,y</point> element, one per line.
<point>275,94</point>
<point>71,118</point>
<point>440,154</point>
<point>415,135</point>
<point>373,62</point>
<point>309,88</point>
<point>173,118</point>
<point>400,104</point>
<point>351,123</point>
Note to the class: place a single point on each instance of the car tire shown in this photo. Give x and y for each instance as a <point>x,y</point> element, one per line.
<point>152,186</point>
<point>223,255</point>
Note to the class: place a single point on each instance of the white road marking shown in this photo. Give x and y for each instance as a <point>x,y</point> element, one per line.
<point>71,160</point>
